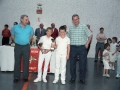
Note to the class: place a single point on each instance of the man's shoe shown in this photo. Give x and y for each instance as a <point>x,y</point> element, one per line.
<point>101,61</point>
<point>95,60</point>
<point>15,80</point>
<point>26,80</point>
<point>72,81</point>
<point>83,82</point>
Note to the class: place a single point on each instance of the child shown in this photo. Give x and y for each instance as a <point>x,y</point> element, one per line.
<point>62,54</point>
<point>45,53</point>
<point>106,60</point>
<point>109,41</point>
<point>118,60</point>
<point>113,52</point>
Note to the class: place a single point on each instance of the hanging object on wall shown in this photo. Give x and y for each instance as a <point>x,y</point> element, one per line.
<point>38,19</point>
<point>39,9</point>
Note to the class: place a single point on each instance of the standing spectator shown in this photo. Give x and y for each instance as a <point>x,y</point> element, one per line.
<point>109,41</point>
<point>113,52</point>
<point>6,35</point>
<point>90,40</point>
<point>101,37</point>
<point>118,59</point>
<point>55,31</point>
<point>22,34</point>
<point>80,38</point>
<point>39,32</point>
<point>106,59</point>
<point>15,23</point>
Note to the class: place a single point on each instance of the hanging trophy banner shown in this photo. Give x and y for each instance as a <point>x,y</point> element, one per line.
<point>39,9</point>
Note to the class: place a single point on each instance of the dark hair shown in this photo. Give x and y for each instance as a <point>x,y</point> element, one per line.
<point>62,28</point>
<point>109,39</point>
<point>49,28</point>
<point>106,45</point>
<point>22,16</point>
<point>75,15</point>
<point>115,38</point>
<point>101,28</point>
<point>6,25</point>
<point>15,23</point>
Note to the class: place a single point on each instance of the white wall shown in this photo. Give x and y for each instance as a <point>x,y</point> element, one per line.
<point>97,13</point>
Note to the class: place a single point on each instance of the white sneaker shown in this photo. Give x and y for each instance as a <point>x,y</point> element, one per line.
<point>37,80</point>
<point>118,76</point>
<point>104,75</point>
<point>113,68</point>
<point>44,80</point>
<point>107,75</point>
<point>63,82</point>
<point>55,81</point>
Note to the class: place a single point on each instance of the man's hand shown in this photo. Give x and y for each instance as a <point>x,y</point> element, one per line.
<point>86,45</point>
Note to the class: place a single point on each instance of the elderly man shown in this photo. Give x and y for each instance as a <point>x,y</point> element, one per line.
<point>80,38</point>
<point>40,32</point>
<point>22,34</point>
<point>55,31</point>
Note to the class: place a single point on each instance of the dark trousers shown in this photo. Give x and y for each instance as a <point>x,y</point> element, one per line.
<point>99,46</point>
<point>5,40</point>
<point>21,50</point>
<point>82,52</point>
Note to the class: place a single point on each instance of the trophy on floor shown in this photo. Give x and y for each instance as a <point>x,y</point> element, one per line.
<point>53,43</point>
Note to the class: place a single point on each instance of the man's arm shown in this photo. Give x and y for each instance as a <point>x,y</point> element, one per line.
<point>88,41</point>
<point>12,36</point>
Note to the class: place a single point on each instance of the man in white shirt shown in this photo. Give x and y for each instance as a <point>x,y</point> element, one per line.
<point>101,37</point>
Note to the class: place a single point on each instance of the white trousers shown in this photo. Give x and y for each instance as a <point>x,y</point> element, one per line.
<point>60,66</point>
<point>43,57</point>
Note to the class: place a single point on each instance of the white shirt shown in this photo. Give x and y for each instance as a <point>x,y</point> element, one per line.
<point>106,57</point>
<point>101,35</point>
<point>46,42</point>
<point>113,47</point>
<point>62,44</point>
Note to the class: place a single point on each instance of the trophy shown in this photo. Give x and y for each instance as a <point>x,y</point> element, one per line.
<point>40,45</point>
<point>53,43</point>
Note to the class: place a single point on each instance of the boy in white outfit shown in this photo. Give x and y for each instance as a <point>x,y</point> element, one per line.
<point>62,54</point>
<point>45,54</point>
<point>106,59</point>
<point>113,52</point>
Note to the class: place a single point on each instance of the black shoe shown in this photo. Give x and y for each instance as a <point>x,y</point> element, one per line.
<point>26,80</point>
<point>15,80</point>
<point>101,61</point>
<point>95,60</point>
<point>72,81</point>
<point>83,82</point>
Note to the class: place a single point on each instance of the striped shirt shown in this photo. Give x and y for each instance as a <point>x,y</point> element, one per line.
<point>79,35</point>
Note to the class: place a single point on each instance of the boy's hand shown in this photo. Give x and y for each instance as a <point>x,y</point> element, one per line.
<point>67,57</point>
<point>113,53</point>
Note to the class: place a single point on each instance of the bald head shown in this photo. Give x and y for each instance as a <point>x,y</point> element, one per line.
<point>41,25</point>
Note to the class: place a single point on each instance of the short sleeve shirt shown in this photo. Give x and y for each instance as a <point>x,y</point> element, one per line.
<point>79,35</point>
<point>22,34</point>
<point>62,45</point>
<point>46,42</point>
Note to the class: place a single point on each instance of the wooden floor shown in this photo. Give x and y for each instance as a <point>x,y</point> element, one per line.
<point>94,80</point>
